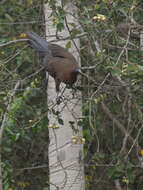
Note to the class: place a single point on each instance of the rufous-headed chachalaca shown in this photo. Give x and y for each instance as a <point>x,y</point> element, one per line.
<point>57,61</point>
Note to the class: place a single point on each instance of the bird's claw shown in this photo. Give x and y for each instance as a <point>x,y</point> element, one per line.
<point>59,99</point>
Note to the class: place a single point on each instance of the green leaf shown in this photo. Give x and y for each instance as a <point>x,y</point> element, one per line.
<point>68,45</point>
<point>9,17</point>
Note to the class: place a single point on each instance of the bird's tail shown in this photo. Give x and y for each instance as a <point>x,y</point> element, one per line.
<point>38,43</point>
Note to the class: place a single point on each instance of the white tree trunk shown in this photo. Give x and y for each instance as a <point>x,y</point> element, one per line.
<point>66,147</point>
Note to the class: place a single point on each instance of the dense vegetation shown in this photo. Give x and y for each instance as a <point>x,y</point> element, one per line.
<point>112,94</point>
<point>22,99</point>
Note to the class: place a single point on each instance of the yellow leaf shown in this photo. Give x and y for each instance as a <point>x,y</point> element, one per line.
<point>125,180</point>
<point>141,152</point>
<point>23,35</point>
<point>29,2</point>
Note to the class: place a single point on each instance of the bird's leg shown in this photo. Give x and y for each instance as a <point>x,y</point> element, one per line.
<point>57,83</point>
<point>60,97</point>
<point>73,91</point>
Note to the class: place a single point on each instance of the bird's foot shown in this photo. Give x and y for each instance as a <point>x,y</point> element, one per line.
<point>59,99</point>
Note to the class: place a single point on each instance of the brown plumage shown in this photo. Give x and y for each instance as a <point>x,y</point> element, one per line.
<point>59,63</point>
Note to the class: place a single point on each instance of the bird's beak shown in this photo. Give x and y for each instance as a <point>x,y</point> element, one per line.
<point>78,70</point>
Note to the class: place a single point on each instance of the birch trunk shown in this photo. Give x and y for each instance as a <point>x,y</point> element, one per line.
<point>66,148</point>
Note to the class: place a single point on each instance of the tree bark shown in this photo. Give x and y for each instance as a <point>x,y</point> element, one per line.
<point>66,144</point>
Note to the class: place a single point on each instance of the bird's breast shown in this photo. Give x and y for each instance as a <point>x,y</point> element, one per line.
<point>63,69</point>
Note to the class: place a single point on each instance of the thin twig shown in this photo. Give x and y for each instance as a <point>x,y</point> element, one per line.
<point>117,184</point>
<point>119,125</point>
<point>13,42</point>
<point>5,117</point>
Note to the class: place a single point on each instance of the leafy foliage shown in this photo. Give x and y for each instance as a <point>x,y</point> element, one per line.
<point>112,100</point>
<point>22,108</point>
<point>112,94</point>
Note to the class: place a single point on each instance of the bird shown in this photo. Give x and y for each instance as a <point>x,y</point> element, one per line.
<point>57,61</point>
